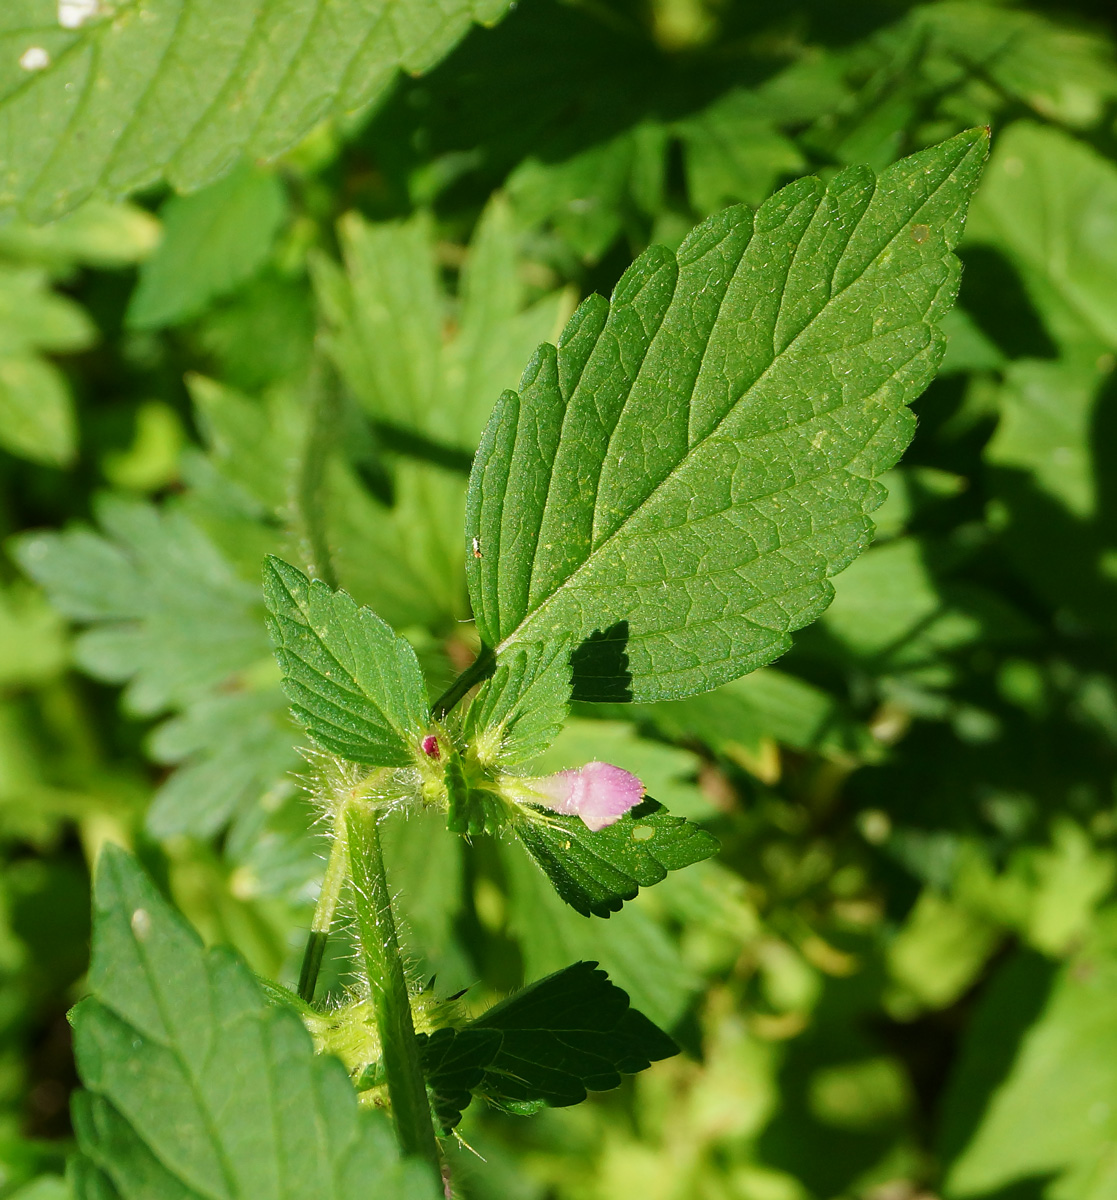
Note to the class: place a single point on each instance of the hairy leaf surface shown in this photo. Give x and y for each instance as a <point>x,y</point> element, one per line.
<point>684,473</point>
<point>354,684</point>
<point>521,709</point>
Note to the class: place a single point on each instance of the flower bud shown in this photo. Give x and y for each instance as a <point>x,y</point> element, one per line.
<point>599,793</point>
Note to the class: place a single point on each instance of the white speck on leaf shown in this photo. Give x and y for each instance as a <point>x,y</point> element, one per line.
<point>72,14</point>
<point>141,924</point>
<point>34,58</point>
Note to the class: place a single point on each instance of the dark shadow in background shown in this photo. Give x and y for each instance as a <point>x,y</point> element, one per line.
<point>994,297</point>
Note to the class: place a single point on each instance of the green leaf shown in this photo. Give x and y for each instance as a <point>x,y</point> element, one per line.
<point>1064,74</point>
<point>596,872</point>
<point>388,323</point>
<point>890,611</point>
<point>197,1085</point>
<point>355,686</point>
<point>684,474</point>
<point>36,410</point>
<point>232,749</point>
<point>212,242</point>
<point>454,1062</point>
<point>97,234</point>
<point>33,646</point>
<point>169,615</point>
<point>47,1187</point>
<point>547,1044</point>
<point>1046,202</point>
<point>1049,482</point>
<point>586,196</point>
<point>939,951</point>
<point>386,313</point>
<point>1069,1052</point>
<point>1047,412</point>
<point>425,367</point>
<point>733,152</point>
<point>520,711</point>
<point>180,89</point>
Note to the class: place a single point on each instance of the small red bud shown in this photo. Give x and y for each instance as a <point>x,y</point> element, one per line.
<point>430,747</point>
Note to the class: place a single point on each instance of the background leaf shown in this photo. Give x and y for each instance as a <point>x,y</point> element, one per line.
<point>212,242</point>
<point>160,92</point>
<point>1020,1137</point>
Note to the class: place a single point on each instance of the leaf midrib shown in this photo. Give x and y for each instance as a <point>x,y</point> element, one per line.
<point>511,639</point>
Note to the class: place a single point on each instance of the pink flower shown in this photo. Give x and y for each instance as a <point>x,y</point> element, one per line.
<point>599,793</point>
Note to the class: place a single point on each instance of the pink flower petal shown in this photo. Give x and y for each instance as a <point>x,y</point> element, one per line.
<point>599,793</point>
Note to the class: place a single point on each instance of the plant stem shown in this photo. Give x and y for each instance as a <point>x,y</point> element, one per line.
<point>481,668</point>
<point>324,911</point>
<point>322,417</point>
<point>399,1049</point>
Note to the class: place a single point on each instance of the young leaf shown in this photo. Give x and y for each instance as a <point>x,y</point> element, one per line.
<point>197,1085</point>
<point>471,810</point>
<point>115,98</point>
<point>597,871</point>
<point>519,712</point>
<point>547,1044</point>
<point>354,684</point>
<point>685,472</point>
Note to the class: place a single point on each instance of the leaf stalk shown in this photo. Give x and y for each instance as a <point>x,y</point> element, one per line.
<point>407,1089</point>
<point>332,882</point>
<point>481,668</point>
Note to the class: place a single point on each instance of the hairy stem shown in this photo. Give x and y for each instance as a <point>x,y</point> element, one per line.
<point>399,1048</point>
<point>332,882</point>
<point>481,668</point>
<point>323,415</point>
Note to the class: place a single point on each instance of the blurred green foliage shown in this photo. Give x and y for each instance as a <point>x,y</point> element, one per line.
<point>899,978</point>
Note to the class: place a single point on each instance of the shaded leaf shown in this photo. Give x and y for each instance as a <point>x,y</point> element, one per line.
<point>596,872</point>
<point>548,1044</point>
<point>212,241</point>
<point>169,615</point>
